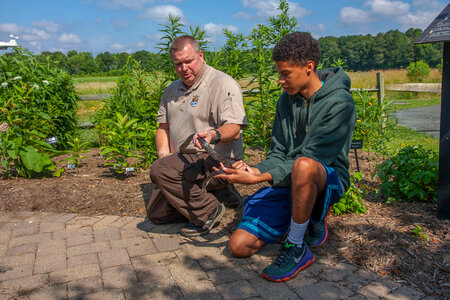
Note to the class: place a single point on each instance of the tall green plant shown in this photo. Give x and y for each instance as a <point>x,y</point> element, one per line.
<point>263,96</point>
<point>37,100</point>
<point>137,95</point>
<point>373,119</point>
<point>122,136</point>
<point>39,90</point>
<point>233,58</point>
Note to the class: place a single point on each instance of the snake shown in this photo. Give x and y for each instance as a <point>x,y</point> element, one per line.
<point>227,162</point>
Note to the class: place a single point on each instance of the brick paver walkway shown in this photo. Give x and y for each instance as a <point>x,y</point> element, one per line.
<point>69,256</point>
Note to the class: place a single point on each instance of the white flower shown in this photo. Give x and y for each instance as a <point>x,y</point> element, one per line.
<point>17,78</point>
<point>45,81</point>
<point>4,84</point>
<point>4,127</point>
<point>36,86</point>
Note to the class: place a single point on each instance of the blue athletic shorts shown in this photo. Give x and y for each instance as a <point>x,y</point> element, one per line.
<point>267,213</point>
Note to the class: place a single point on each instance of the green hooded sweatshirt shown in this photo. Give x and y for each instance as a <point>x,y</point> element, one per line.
<point>320,128</point>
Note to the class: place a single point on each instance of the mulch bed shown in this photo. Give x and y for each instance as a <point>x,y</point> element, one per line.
<point>379,240</point>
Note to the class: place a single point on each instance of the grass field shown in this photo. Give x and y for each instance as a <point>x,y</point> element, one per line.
<point>399,137</point>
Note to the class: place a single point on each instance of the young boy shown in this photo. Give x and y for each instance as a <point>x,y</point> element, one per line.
<point>307,166</point>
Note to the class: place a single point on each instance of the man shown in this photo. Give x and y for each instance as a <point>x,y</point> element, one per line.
<point>307,165</point>
<point>206,102</point>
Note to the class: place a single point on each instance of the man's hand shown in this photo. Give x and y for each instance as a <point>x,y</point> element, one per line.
<point>207,135</point>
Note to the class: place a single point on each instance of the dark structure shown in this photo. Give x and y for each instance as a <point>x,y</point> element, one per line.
<point>439,31</point>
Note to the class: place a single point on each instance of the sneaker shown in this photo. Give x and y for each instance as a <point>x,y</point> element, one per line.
<point>229,196</point>
<point>317,234</point>
<point>191,229</point>
<point>289,263</point>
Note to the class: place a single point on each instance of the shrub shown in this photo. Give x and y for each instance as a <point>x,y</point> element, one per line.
<point>42,92</point>
<point>351,201</point>
<point>418,71</point>
<point>37,101</point>
<point>410,175</point>
<point>137,96</point>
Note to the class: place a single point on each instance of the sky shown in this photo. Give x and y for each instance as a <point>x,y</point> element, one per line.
<point>130,25</point>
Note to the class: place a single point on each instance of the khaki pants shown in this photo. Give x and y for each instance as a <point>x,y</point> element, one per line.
<point>179,196</point>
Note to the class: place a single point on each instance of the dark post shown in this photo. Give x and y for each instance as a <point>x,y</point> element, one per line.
<point>439,31</point>
<point>443,209</point>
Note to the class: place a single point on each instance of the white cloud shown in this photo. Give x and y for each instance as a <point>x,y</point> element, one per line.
<point>419,20</point>
<point>69,38</point>
<point>160,13</point>
<point>242,15</point>
<point>49,26</point>
<point>140,45</point>
<point>11,28</point>
<point>130,4</point>
<point>388,8</point>
<point>216,29</point>
<point>352,15</point>
<point>266,8</point>
<point>120,23</point>
<point>34,34</point>
<point>117,47</point>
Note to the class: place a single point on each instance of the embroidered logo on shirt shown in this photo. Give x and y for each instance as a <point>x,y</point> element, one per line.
<point>194,101</point>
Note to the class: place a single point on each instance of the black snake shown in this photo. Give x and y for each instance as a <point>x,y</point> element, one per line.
<point>227,162</point>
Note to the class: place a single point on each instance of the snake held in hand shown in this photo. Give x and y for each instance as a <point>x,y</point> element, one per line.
<point>210,150</point>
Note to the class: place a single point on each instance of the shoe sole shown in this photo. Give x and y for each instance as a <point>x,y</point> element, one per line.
<point>307,264</point>
<point>326,232</point>
<point>309,260</point>
<point>216,220</point>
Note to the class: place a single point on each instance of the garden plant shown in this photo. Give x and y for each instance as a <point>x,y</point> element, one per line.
<point>37,101</point>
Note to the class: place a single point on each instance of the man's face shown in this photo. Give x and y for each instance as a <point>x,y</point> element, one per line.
<point>293,78</point>
<point>188,64</point>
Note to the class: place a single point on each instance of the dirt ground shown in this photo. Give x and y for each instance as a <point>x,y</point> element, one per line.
<point>379,240</point>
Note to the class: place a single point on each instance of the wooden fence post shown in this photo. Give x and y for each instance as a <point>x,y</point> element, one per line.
<point>380,88</point>
<point>380,92</point>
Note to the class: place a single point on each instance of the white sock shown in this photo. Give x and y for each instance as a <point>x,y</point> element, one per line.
<point>297,232</point>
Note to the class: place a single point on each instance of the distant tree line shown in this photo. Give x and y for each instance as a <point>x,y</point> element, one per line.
<point>390,50</point>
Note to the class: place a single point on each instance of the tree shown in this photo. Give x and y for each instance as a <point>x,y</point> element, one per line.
<point>105,61</point>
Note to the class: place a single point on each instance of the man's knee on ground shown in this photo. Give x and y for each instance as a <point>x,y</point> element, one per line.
<point>243,244</point>
<point>156,171</point>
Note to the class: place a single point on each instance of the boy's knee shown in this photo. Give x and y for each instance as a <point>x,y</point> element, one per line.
<point>243,244</point>
<point>238,249</point>
<point>306,169</point>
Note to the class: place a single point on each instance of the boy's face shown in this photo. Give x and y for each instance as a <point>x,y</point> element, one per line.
<point>293,78</point>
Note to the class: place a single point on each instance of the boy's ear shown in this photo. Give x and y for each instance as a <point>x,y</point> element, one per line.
<point>310,66</point>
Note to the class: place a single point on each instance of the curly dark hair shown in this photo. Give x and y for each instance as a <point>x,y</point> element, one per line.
<point>297,48</point>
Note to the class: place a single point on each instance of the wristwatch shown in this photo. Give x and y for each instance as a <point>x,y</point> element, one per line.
<point>216,140</point>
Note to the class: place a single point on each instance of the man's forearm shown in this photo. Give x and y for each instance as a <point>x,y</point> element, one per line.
<point>229,133</point>
<point>162,141</point>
